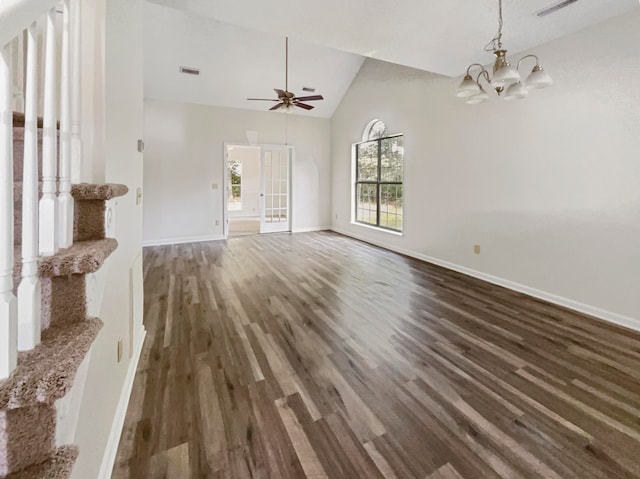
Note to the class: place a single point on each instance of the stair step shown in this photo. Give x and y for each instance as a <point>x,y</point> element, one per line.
<point>58,466</point>
<point>45,373</point>
<point>89,209</point>
<point>97,191</point>
<point>29,434</point>
<point>81,258</point>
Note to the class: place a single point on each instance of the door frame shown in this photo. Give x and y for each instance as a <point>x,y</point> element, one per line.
<point>225,154</point>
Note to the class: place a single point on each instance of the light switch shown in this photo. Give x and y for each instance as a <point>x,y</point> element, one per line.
<point>214,186</point>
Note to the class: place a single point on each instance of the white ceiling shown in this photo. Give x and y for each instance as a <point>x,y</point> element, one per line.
<point>237,63</point>
<point>241,53</point>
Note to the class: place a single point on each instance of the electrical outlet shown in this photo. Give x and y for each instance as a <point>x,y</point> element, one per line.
<point>138,195</point>
<point>120,346</point>
<point>336,215</point>
<point>214,186</point>
<point>476,249</point>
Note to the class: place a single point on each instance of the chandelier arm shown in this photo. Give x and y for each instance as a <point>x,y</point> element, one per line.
<point>528,56</point>
<point>486,76</point>
<point>474,65</point>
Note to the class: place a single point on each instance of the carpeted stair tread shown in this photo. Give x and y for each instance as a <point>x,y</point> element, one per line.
<point>81,257</point>
<point>45,373</point>
<point>58,466</point>
<point>92,191</point>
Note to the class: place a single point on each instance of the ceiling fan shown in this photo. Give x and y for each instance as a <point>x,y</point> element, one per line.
<point>287,100</point>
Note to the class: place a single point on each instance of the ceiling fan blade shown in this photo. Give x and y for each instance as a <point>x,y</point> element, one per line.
<point>309,98</point>
<point>281,93</point>
<point>262,99</point>
<point>275,107</point>
<point>304,105</point>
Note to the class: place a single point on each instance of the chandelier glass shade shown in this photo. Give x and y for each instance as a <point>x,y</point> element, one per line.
<point>505,79</point>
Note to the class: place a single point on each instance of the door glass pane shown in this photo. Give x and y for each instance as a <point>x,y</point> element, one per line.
<point>234,184</point>
<point>276,190</point>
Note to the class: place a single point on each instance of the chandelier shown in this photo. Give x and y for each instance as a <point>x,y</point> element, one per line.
<point>506,79</point>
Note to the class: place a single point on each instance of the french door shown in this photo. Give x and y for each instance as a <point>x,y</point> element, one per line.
<point>275,195</point>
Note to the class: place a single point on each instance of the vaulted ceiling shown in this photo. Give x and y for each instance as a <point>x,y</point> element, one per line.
<point>239,44</point>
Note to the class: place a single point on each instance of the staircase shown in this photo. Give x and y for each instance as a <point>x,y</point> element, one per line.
<point>45,374</point>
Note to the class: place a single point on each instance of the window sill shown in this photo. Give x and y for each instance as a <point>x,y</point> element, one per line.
<point>377,228</point>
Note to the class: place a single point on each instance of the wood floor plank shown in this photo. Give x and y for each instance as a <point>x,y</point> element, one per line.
<point>318,356</point>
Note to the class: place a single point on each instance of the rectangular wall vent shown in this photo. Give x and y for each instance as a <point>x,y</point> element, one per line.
<point>554,8</point>
<point>190,71</point>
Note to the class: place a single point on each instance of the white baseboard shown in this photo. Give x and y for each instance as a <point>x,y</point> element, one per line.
<point>609,316</point>
<point>182,240</point>
<point>109,457</point>
<point>310,229</point>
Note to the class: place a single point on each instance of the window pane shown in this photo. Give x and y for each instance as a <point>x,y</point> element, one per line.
<point>366,204</point>
<point>391,159</point>
<point>378,130</point>
<point>391,206</point>
<point>368,161</point>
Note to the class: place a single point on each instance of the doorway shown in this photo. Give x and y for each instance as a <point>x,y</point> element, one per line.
<point>257,189</point>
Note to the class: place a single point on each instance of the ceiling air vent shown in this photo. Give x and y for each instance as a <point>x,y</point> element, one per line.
<point>308,89</point>
<point>190,71</point>
<point>555,7</point>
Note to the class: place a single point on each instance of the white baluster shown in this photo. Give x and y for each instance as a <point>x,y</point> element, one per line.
<point>29,289</point>
<point>8,303</point>
<point>48,202</point>
<point>17,69</point>
<point>65,200</point>
<point>76,94</point>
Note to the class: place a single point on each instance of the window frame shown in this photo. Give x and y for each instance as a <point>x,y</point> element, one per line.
<point>378,183</point>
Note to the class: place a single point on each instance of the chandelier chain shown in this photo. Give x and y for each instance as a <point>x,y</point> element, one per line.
<point>496,42</point>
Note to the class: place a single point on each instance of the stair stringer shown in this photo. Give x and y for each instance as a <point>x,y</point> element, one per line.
<point>68,406</point>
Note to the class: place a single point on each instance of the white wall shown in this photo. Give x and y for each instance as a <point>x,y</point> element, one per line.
<point>106,378</point>
<point>547,186</point>
<point>250,181</point>
<point>184,158</point>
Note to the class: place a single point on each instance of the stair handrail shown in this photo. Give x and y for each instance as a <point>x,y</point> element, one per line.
<point>17,15</point>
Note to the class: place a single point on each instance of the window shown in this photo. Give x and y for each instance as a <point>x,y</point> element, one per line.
<point>379,176</point>
<point>234,198</point>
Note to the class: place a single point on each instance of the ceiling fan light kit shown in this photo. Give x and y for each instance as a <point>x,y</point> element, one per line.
<point>287,100</point>
<point>506,78</point>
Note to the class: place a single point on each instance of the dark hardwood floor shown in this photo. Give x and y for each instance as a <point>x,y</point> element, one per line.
<point>315,355</point>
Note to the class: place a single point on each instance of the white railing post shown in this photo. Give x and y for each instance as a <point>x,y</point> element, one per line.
<point>48,203</point>
<point>76,93</point>
<point>17,69</point>
<point>8,304</point>
<point>29,290</point>
<point>65,200</point>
